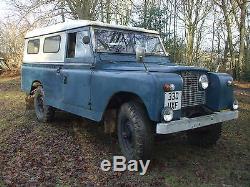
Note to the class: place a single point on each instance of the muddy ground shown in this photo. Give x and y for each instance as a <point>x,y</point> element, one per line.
<point>69,150</point>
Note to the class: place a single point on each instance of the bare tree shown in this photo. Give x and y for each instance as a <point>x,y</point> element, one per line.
<point>11,44</point>
<point>240,20</point>
<point>170,17</point>
<point>235,9</point>
<point>192,13</point>
<point>224,5</point>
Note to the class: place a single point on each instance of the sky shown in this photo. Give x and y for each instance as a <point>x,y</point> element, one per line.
<point>4,10</point>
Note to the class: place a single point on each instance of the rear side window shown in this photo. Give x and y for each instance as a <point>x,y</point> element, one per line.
<point>33,46</point>
<point>52,44</point>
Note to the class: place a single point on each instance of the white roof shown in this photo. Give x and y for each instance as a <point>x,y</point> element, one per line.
<point>80,23</point>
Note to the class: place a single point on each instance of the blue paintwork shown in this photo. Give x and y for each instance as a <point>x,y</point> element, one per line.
<point>44,74</point>
<point>219,95</point>
<point>91,83</point>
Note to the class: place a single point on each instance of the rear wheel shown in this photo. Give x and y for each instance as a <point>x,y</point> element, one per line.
<point>44,113</point>
<point>205,136</point>
<point>134,131</point>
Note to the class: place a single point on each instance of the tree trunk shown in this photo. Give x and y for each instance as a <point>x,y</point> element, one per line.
<point>229,36</point>
<point>190,43</point>
<point>108,12</point>
<point>242,35</point>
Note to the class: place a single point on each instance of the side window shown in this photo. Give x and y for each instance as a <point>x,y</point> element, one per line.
<point>33,46</point>
<point>52,44</point>
<point>71,48</point>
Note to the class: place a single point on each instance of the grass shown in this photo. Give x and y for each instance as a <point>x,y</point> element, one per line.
<point>69,151</point>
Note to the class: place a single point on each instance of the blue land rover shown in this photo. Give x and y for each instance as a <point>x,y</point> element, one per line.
<point>123,77</point>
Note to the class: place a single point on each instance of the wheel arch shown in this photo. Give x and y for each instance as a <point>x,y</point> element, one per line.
<point>110,114</point>
<point>34,85</point>
<point>119,98</point>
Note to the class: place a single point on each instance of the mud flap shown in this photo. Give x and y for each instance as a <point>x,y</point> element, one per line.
<point>110,122</point>
<point>29,102</point>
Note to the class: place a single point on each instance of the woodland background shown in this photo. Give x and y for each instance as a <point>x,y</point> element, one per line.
<point>68,151</point>
<point>207,33</point>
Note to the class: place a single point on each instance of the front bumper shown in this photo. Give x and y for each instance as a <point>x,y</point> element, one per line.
<point>191,123</point>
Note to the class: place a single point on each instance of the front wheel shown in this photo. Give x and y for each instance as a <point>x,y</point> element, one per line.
<point>44,113</point>
<point>205,136</point>
<point>135,133</point>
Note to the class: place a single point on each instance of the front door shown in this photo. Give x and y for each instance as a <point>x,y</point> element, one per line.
<point>77,72</point>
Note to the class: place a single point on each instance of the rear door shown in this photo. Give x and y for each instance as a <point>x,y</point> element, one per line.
<point>51,60</point>
<point>77,72</point>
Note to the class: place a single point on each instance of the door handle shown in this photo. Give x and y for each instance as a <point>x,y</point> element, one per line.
<point>58,70</point>
<point>65,79</point>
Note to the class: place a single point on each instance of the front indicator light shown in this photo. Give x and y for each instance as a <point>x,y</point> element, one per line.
<point>167,114</point>
<point>235,105</point>
<point>168,87</point>
<point>230,83</point>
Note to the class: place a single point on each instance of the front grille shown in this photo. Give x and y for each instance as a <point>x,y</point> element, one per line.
<point>191,94</point>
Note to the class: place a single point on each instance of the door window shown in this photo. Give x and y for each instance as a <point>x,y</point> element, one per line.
<point>76,48</point>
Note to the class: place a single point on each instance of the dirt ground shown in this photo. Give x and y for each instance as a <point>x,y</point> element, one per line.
<point>69,150</point>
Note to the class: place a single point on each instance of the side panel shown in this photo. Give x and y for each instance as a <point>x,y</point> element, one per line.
<point>52,84</point>
<point>219,95</point>
<point>76,87</point>
<point>46,74</point>
<point>145,85</point>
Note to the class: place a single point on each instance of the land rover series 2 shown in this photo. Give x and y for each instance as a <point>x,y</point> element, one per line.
<point>123,77</point>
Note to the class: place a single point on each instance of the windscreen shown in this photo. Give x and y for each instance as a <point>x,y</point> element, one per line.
<point>120,41</point>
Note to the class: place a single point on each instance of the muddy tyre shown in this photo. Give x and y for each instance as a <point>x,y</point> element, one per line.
<point>205,136</point>
<point>44,113</point>
<point>135,133</point>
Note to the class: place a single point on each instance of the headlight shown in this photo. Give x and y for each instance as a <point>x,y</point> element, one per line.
<point>167,114</point>
<point>203,81</point>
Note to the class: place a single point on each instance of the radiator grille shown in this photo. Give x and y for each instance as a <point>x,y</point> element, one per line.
<point>191,94</point>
